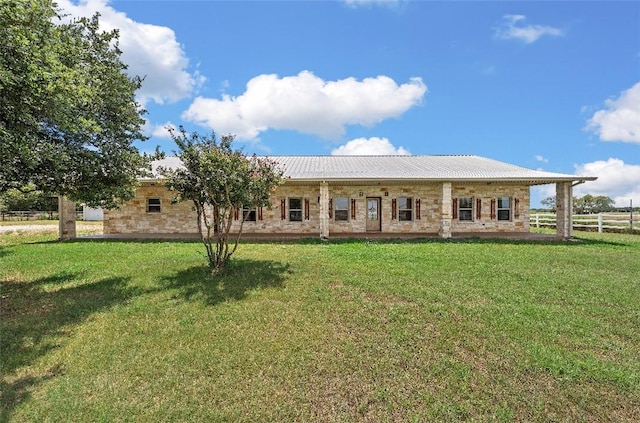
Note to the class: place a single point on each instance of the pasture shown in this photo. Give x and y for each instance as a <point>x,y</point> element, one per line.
<point>350,331</point>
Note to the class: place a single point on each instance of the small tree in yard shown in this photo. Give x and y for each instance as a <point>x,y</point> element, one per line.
<point>219,181</point>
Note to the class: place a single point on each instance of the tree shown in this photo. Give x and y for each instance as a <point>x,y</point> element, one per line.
<point>25,198</point>
<point>588,204</point>
<point>68,116</point>
<point>603,204</point>
<point>220,181</point>
<point>549,202</point>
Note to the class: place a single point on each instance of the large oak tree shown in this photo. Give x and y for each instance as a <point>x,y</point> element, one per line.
<point>68,115</point>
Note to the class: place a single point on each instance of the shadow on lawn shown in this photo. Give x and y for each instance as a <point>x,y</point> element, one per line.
<point>36,317</point>
<point>4,250</point>
<point>241,277</point>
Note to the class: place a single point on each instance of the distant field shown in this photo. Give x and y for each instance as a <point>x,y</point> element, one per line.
<point>481,330</point>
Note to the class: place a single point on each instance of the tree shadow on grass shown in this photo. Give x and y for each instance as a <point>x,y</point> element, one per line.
<point>36,317</point>
<point>240,277</point>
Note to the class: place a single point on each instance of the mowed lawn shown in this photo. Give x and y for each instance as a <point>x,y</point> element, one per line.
<point>344,331</point>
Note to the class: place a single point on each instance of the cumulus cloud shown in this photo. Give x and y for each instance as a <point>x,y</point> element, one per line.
<point>540,158</point>
<point>162,130</point>
<point>307,104</point>
<point>617,180</point>
<point>620,121</point>
<point>373,146</point>
<point>513,27</point>
<point>150,51</point>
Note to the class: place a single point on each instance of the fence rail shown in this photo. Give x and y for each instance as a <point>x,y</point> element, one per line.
<point>601,222</point>
<point>32,215</point>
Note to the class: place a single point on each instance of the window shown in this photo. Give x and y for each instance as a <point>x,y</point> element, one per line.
<point>295,209</point>
<point>248,215</point>
<point>341,208</point>
<point>504,208</point>
<point>405,208</point>
<point>153,205</point>
<point>465,208</point>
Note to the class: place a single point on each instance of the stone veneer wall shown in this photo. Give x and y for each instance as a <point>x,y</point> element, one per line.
<point>133,218</point>
<point>486,192</point>
<point>180,218</point>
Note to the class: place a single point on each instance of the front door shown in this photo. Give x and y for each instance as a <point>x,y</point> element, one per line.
<point>373,215</point>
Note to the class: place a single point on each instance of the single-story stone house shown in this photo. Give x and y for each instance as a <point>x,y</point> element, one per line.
<point>364,196</point>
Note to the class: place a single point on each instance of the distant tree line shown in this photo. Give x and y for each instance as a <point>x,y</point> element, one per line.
<point>27,198</point>
<point>588,204</point>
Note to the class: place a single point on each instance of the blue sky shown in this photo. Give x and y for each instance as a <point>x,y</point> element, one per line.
<point>544,85</point>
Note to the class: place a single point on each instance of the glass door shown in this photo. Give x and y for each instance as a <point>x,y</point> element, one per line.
<point>373,215</point>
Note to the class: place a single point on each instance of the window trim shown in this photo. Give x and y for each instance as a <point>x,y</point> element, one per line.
<point>402,211</point>
<point>154,208</point>
<point>337,209</point>
<point>502,209</point>
<point>252,210</point>
<point>468,210</point>
<point>299,210</point>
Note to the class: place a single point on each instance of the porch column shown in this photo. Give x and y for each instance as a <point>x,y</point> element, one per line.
<point>445,211</point>
<point>324,210</point>
<point>66,218</point>
<point>564,209</point>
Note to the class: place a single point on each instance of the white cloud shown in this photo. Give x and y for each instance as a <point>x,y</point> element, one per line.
<point>162,131</point>
<point>542,159</point>
<point>373,146</point>
<point>514,28</point>
<point>621,120</point>
<point>616,179</point>
<point>150,51</point>
<point>306,103</point>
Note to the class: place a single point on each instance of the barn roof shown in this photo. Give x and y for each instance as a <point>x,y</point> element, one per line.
<point>469,168</point>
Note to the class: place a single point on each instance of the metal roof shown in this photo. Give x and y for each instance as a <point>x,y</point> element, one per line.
<point>403,168</point>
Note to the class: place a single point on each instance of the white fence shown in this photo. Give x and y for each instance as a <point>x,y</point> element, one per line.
<point>601,222</point>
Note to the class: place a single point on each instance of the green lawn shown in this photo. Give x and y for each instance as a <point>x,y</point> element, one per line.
<point>340,331</point>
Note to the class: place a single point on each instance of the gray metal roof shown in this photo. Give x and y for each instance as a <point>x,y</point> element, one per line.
<point>404,168</point>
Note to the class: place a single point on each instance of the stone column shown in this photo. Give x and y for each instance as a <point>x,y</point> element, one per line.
<point>324,210</point>
<point>564,209</point>
<point>67,218</point>
<point>445,211</point>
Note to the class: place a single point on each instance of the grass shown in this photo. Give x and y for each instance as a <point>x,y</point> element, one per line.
<point>479,330</point>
